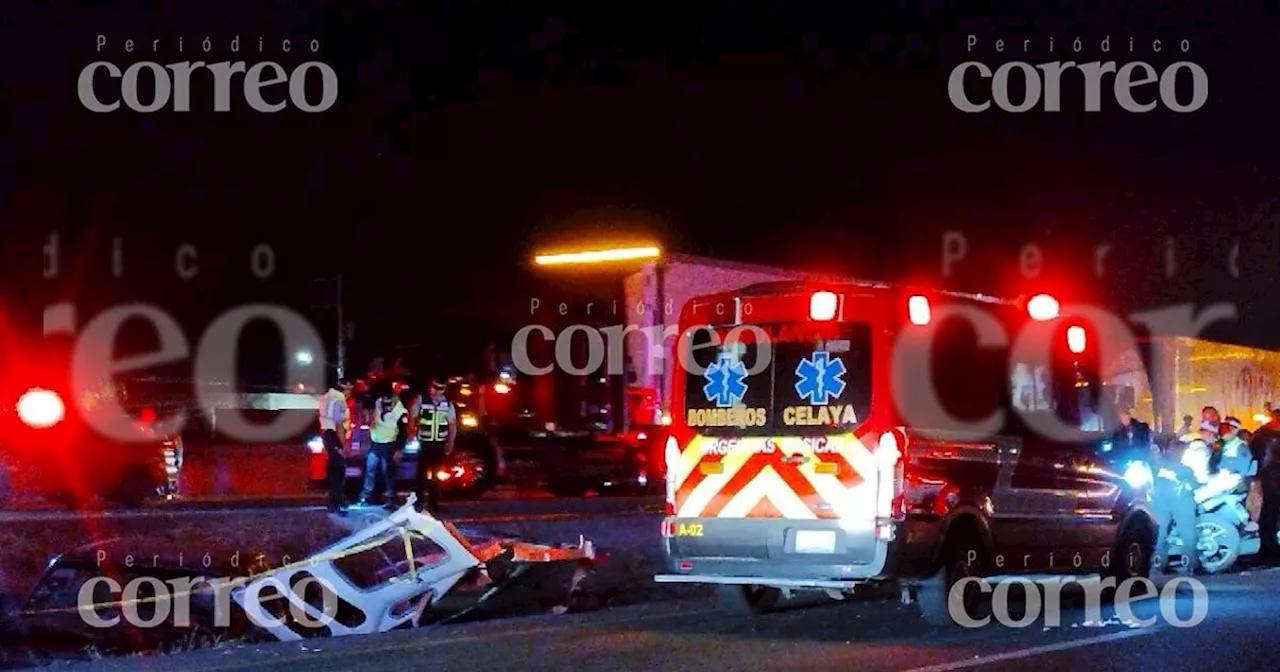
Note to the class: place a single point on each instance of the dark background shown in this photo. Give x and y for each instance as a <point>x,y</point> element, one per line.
<point>470,134</point>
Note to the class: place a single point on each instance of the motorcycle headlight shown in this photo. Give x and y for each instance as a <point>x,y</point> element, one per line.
<point>1138,474</point>
<point>316,445</point>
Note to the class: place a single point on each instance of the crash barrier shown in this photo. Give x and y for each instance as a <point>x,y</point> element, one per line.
<point>417,560</point>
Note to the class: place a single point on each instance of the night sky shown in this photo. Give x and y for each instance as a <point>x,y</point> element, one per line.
<point>467,135</point>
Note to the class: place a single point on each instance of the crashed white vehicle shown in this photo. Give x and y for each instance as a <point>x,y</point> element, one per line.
<point>388,574</point>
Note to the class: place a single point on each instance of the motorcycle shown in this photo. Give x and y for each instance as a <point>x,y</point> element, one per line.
<point>1224,531</point>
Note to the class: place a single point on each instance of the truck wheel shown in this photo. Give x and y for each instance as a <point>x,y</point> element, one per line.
<point>747,600</point>
<point>963,557</point>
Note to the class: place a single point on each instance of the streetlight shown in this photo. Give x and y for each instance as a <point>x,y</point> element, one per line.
<point>304,357</point>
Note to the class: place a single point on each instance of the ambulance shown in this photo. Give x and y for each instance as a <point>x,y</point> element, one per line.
<point>831,437</point>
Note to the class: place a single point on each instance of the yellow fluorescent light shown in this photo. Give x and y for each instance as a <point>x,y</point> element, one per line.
<point>597,256</point>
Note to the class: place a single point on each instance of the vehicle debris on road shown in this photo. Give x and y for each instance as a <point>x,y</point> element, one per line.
<point>408,569</point>
<point>386,576</point>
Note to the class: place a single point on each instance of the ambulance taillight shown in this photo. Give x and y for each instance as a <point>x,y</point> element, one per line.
<point>672,458</point>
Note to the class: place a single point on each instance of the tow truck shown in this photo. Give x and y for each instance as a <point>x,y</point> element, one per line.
<point>809,456</point>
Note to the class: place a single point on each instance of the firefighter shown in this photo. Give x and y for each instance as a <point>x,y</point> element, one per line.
<point>388,422</point>
<point>334,421</point>
<point>437,429</point>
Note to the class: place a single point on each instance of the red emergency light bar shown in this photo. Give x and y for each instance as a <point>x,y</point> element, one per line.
<point>823,306</point>
<point>1076,339</point>
<point>1042,307</point>
<point>918,310</point>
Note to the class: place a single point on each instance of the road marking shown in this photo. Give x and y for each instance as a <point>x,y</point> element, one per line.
<point>1037,650</point>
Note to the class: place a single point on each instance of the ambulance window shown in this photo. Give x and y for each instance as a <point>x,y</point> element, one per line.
<point>967,378</point>
<point>755,392</point>
<point>1075,397</point>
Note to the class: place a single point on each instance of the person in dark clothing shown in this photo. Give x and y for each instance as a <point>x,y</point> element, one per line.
<point>1266,444</point>
<point>335,422</point>
<point>437,427</point>
<point>1173,502</point>
<point>1132,438</point>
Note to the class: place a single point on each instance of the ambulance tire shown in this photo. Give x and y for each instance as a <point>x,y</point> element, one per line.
<point>747,600</point>
<point>933,594</point>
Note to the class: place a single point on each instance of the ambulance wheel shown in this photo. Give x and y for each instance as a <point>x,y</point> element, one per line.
<point>963,557</point>
<point>747,600</point>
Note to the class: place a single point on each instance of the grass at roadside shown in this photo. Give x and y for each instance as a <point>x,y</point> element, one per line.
<point>231,542</point>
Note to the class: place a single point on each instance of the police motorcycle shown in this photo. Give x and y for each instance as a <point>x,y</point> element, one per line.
<point>1224,531</point>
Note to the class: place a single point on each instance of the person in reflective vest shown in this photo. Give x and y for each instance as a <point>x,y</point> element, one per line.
<point>388,422</point>
<point>437,427</point>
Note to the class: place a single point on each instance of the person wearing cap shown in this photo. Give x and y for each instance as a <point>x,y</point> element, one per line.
<point>437,428</point>
<point>388,423</point>
<point>1234,454</point>
<point>334,422</point>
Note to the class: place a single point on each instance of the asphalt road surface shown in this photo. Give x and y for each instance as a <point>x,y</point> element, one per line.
<point>1238,633</point>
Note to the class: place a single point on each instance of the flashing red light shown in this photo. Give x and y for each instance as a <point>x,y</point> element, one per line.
<point>918,310</point>
<point>1076,339</point>
<point>1042,307</point>
<point>822,306</point>
<point>41,408</point>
